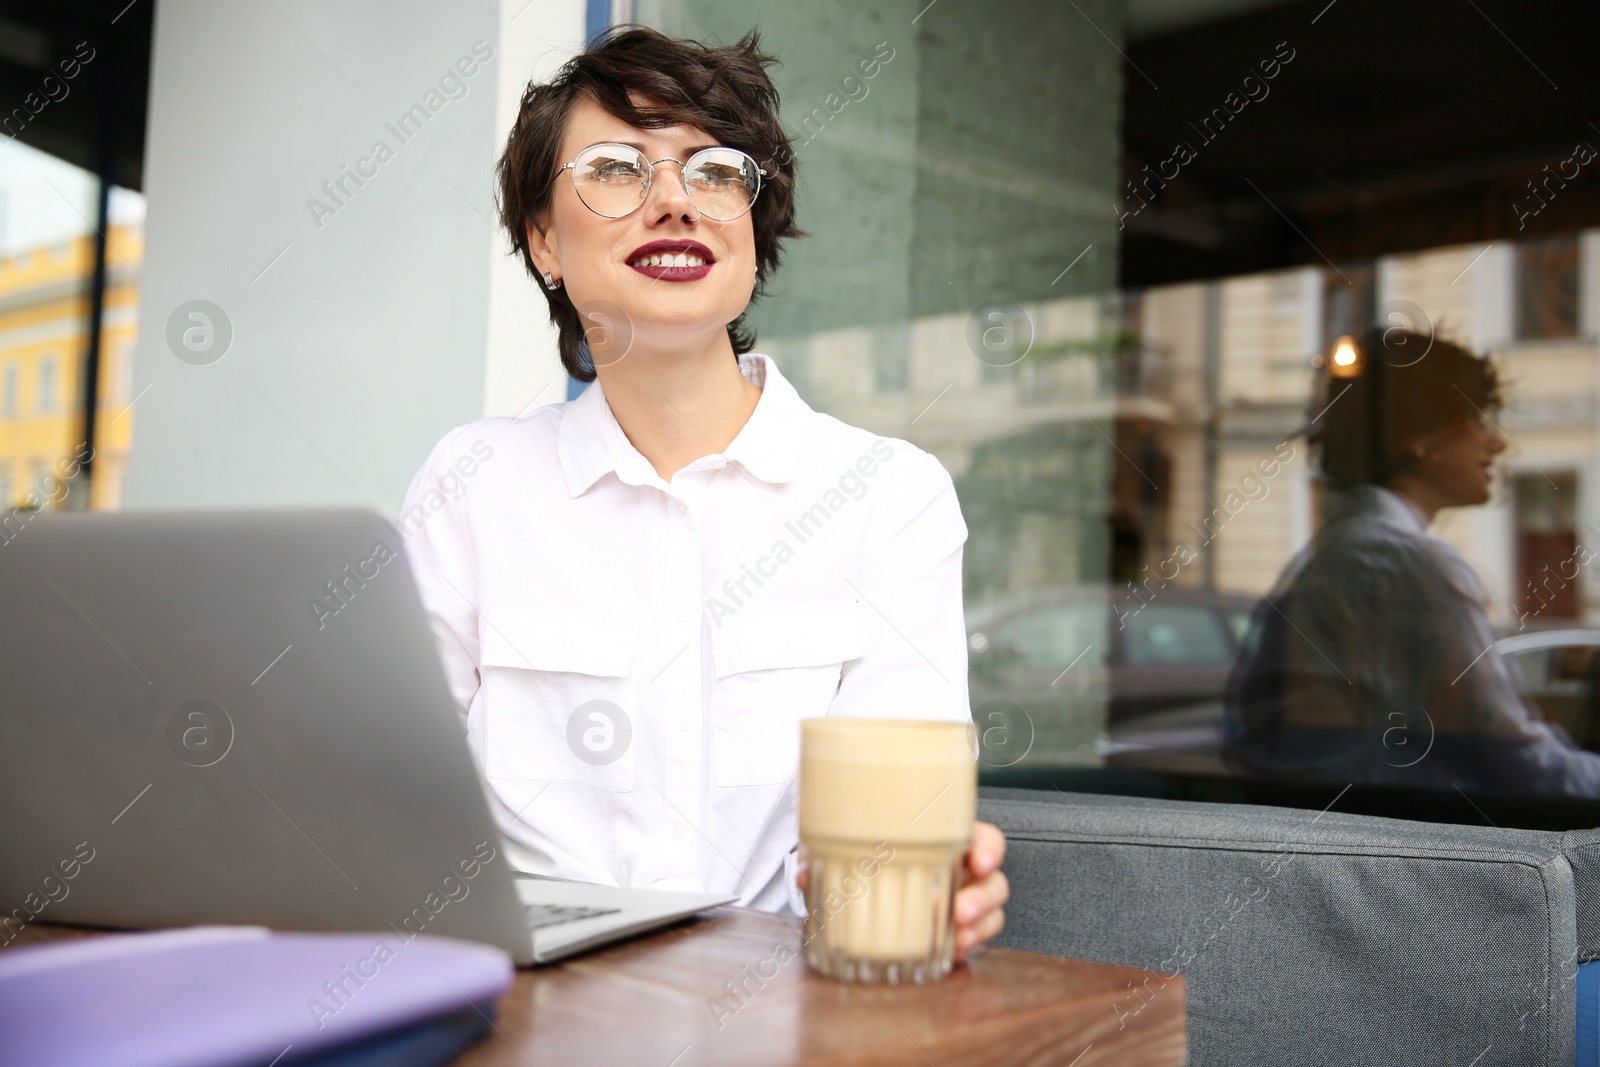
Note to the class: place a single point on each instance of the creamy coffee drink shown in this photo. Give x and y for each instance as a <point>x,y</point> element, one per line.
<point>886,813</point>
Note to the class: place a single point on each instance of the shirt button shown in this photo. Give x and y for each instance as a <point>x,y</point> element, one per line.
<point>680,829</point>
<point>683,722</point>
<point>683,509</point>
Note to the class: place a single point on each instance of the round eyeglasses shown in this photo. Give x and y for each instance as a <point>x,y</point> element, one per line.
<point>613,179</point>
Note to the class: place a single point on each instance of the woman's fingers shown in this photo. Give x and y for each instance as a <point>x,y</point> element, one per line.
<point>987,851</point>
<point>969,937</point>
<point>980,903</point>
<point>982,897</point>
<point>980,913</point>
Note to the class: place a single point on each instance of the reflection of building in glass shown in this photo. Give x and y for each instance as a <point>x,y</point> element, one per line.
<point>1533,308</point>
<point>1156,438</point>
<point>44,325</point>
<point>1152,437</point>
<point>1523,305</point>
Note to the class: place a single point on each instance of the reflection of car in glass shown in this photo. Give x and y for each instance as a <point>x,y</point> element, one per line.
<point>1088,663</point>
<point>1558,669</point>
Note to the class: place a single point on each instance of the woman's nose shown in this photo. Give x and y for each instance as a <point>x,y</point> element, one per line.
<point>669,195</point>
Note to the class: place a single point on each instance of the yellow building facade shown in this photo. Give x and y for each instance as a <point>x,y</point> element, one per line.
<point>44,333</point>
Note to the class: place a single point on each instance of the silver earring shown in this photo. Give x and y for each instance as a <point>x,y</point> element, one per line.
<point>550,282</point>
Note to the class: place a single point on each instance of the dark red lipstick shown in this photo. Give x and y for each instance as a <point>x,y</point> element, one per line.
<point>668,250</point>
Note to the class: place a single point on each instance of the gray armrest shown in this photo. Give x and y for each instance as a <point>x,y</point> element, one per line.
<point>1310,938</point>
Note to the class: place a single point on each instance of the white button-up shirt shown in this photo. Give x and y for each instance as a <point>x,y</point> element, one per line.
<point>634,656</point>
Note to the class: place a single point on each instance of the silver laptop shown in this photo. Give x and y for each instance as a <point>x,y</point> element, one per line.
<point>241,718</point>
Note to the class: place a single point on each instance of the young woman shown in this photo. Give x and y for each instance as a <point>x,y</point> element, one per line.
<point>1373,659</point>
<point>641,592</point>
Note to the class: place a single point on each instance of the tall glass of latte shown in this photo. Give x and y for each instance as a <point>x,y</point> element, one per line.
<point>886,812</point>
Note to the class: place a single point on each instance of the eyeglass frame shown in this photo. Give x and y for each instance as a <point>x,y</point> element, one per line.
<point>650,177</point>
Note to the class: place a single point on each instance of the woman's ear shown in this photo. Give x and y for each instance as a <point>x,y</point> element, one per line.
<point>543,251</point>
<point>1413,448</point>
<point>1424,445</point>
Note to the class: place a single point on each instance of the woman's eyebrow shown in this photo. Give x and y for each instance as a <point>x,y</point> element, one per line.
<point>687,152</point>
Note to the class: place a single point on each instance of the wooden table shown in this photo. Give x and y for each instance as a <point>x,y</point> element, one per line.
<point>715,991</point>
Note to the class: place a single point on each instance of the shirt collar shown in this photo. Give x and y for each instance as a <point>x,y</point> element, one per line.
<point>1387,506</point>
<point>591,443</point>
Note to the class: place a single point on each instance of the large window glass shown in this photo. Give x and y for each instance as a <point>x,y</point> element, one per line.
<point>1263,357</point>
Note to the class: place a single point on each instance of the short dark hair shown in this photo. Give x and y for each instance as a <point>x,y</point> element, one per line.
<point>1409,384</point>
<point>723,90</point>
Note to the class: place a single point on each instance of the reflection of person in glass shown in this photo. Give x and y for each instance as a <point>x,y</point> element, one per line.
<point>1372,659</point>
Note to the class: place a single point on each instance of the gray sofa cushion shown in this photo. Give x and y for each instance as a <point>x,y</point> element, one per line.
<point>1306,937</point>
<point>1583,852</point>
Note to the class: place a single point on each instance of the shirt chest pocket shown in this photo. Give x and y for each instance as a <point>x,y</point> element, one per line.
<point>776,664</point>
<point>560,702</point>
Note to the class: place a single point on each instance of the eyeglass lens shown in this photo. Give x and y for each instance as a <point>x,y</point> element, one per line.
<point>612,180</point>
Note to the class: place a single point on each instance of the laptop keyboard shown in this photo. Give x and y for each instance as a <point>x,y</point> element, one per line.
<point>542,915</point>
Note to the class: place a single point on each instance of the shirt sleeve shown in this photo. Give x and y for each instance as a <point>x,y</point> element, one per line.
<point>1383,640</point>
<point>1532,753</point>
<point>908,591</point>
<point>439,548</point>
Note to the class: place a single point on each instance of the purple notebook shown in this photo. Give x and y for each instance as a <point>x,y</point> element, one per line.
<point>212,996</point>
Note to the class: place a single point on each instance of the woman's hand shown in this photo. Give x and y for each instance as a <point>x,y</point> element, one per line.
<point>980,905</point>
